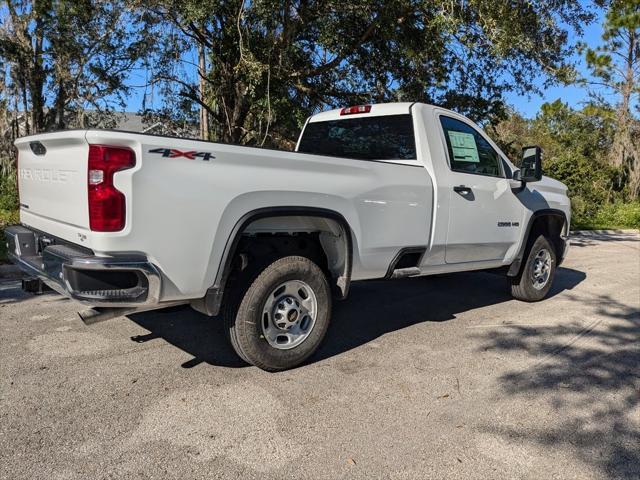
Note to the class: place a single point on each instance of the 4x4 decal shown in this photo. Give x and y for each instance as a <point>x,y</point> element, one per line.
<point>174,153</point>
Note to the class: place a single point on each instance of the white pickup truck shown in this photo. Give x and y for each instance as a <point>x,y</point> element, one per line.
<point>266,238</point>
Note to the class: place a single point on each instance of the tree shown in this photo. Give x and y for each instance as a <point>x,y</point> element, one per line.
<point>511,133</point>
<point>616,66</point>
<point>69,59</point>
<point>576,146</point>
<point>273,63</point>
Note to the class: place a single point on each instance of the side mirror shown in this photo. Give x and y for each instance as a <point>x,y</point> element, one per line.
<point>531,168</point>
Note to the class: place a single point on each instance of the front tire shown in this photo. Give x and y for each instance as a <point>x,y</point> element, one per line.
<point>281,314</point>
<point>535,280</point>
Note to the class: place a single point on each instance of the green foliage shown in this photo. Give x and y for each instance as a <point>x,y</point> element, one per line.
<point>614,215</point>
<point>271,63</point>
<point>575,145</point>
<point>615,66</point>
<point>8,207</point>
<point>589,182</point>
<point>8,191</point>
<point>620,49</point>
<point>65,57</point>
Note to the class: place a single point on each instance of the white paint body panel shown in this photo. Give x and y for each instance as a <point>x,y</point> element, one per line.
<point>181,212</point>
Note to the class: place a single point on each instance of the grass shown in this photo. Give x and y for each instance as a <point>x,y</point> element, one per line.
<point>614,216</point>
<point>7,217</point>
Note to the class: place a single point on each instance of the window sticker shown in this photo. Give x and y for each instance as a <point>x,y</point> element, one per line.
<point>464,147</point>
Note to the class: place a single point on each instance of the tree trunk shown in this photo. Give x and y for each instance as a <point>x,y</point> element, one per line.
<point>624,152</point>
<point>633,143</point>
<point>60,103</point>
<point>36,78</point>
<point>204,115</point>
<point>25,103</point>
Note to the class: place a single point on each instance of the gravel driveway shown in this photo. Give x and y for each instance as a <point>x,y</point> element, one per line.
<point>437,377</point>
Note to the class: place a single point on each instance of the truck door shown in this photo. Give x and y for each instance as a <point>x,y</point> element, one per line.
<point>484,214</point>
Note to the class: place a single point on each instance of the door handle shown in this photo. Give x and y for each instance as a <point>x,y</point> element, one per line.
<point>462,189</point>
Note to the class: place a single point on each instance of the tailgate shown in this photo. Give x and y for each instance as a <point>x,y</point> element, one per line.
<point>52,176</point>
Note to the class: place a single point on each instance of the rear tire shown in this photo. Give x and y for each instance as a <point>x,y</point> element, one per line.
<point>536,277</point>
<point>279,315</point>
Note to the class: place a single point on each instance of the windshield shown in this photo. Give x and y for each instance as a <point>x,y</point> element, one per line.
<point>387,137</point>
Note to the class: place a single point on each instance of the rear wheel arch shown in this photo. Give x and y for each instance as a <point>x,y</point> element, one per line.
<point>335,242</point>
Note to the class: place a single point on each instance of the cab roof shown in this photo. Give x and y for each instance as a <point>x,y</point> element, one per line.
<point>377,110</point>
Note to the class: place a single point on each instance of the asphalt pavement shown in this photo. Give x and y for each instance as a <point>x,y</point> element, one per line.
<point>436,377</point>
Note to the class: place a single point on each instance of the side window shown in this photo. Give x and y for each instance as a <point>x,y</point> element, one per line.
<point>468,150</point>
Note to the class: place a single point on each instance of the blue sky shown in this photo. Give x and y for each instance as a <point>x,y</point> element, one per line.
<point>528,105</point>
<point>572,94</point>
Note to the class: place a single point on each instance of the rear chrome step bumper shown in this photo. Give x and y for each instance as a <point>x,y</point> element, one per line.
<point>127,280</point>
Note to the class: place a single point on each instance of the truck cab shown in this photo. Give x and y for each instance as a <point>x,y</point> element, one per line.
<point>480,212</point>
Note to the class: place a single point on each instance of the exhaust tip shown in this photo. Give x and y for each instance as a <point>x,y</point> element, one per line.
<point>97,315</point>
<point>100,314</point>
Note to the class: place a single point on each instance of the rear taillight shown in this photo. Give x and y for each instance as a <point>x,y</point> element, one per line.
<point>356,109</point>
<point>107,205</point>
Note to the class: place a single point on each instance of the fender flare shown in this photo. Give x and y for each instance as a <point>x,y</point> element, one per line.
<point>514,269</point>
<point>210,304</point>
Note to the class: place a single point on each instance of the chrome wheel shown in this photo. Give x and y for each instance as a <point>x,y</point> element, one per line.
<point>289,314</point>
<point>541,269</point>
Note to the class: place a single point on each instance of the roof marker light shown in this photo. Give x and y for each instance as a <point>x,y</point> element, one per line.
<point>355,109</point>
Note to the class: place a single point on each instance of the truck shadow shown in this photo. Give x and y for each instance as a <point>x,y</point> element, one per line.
<point>588,375</point>
<point>377,307</point>
<point>590,238</point>
<point>374,308</point>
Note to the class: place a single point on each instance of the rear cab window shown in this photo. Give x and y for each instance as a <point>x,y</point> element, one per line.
<point>469,151</point>
<point>388,137</point>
